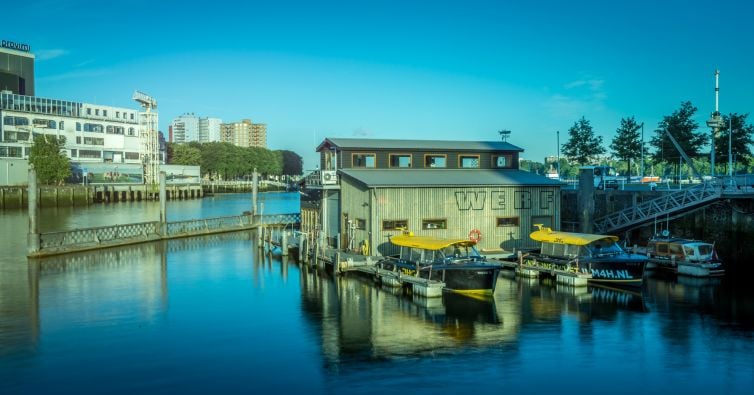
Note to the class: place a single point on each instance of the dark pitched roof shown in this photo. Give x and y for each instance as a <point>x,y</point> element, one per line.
<point>351,143</point>
<point>446,177</point>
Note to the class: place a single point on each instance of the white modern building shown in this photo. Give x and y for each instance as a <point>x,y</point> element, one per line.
<point>190,127</point>
<point>93,133</point>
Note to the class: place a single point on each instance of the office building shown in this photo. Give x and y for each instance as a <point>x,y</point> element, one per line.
<point>16,68</point>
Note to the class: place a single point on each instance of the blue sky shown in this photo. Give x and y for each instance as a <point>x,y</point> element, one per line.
<point>405,69</point>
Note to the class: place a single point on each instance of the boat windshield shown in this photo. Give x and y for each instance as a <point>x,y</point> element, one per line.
<point>459,252</point>
<point>705,249</point>
<point>604,247</point>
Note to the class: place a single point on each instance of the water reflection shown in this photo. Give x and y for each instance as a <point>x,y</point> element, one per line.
<point>361,321</point>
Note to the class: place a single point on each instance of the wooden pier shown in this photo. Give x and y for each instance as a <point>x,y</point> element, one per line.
<point>76,240</point>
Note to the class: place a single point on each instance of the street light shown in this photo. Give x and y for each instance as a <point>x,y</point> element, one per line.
<point>558,142</point>
<point>730,146</point>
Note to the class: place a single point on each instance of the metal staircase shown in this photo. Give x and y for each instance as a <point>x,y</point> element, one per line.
<point>670,204</point>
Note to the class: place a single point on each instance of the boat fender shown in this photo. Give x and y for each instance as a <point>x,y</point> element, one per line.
<point>475,235</point>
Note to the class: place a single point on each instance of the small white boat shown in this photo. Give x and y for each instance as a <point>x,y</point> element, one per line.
<point>684,256</point>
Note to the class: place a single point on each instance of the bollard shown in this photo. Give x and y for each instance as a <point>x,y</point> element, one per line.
<point>301,248</point>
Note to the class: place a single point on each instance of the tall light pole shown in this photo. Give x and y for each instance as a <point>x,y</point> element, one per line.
<point>730,146</point>
<point>715,123</point>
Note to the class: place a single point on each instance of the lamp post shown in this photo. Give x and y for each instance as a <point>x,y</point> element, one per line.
<point>730,146</point>
<point>642,151</point>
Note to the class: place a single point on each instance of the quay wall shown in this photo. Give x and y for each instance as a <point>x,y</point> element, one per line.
<point>729,223</point>
<point>15,197</point>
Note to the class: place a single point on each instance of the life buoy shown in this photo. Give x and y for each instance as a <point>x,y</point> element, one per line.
<point>475,235</point>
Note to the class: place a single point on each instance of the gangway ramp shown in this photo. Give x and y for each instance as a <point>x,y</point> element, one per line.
<point>670,204</point>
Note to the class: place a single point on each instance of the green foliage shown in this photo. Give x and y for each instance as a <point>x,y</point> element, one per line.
<point>293,164</point>
<point>626,144</point>
<point>741,139</point>
<point>227,161</point>
<point>583,146</point>
<point>49,159</point>
<point>184,154</point>
<point>683,128</point>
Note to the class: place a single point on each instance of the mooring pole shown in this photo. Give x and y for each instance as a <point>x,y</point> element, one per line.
<point>163,206</point>
<point>254,191</point>
<point>33,235</point>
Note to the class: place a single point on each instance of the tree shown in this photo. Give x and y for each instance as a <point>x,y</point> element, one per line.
<point>293,164</point>
<point>183,154</point>
<point>741,138</point>
<point>626,144</point>
<point>583,146</point>
<point>683,128</point>
<point>49,159</point>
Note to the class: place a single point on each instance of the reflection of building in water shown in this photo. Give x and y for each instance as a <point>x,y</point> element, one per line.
<point>361,319</point>
<point>117,282</point>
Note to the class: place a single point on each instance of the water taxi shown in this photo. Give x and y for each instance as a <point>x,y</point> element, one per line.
<point>455,262</point>
<point>597,255</point>
<point>684,256</point>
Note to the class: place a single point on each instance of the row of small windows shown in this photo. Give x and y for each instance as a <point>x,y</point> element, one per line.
<point>50,124</point>
<point>104,113</point>
<point>430,161</point>
<point>431,224</point>
<point>96,154</point>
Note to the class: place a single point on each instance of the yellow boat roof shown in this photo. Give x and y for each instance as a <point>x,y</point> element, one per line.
<point>428,242</point>
<point>548,235</point>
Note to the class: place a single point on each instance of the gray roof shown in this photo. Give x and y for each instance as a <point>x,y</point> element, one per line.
<point>446,177</point>
<point>418,145</point>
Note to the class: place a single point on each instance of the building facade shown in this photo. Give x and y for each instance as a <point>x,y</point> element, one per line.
<point>93,133</point>
<point>16,68</point>
<point>244,133</point>
<point>370,189</point>
<point>189,127</point>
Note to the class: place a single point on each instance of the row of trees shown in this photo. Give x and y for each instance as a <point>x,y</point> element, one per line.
<point>227,161</point>
<point>584,146</point>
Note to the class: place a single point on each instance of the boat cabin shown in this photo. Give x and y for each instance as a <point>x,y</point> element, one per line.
<point>575,245</point>
<point>681,250</point>
<point>423,249</point>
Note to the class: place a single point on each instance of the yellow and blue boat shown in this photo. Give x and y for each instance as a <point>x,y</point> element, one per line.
<point>455,262</point>
<point>598,255</point>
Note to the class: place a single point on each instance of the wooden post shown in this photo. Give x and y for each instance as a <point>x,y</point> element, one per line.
<point>163,206</point>
<point>284,243</point>
<point>301,252</point>
<point>254,191</point>
<point>33,235</point>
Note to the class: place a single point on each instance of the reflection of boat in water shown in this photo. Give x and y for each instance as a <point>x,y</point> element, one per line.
<point>454,262</point>
<point>598,255</point>
<point>684,256</point>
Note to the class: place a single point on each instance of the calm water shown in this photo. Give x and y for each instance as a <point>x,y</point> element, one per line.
<point>214,315</point>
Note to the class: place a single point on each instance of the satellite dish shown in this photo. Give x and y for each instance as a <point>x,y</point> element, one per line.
<point>665,233</point>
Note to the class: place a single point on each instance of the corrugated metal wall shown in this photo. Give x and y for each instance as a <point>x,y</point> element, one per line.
<point>466,209</point>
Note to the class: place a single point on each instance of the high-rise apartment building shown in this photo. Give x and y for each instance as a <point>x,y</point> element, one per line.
<point>244,133</point>
<point>189,127</point>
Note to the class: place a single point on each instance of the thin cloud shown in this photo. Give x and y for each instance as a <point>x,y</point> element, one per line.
<point>362,132</point>
<point>76,74</point>
<point>47,54</point>
<point>577,98</point>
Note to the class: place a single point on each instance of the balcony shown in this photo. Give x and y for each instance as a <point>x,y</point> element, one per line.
<point>323,179</point>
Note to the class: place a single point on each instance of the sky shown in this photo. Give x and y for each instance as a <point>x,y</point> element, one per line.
<point>440,70</point>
